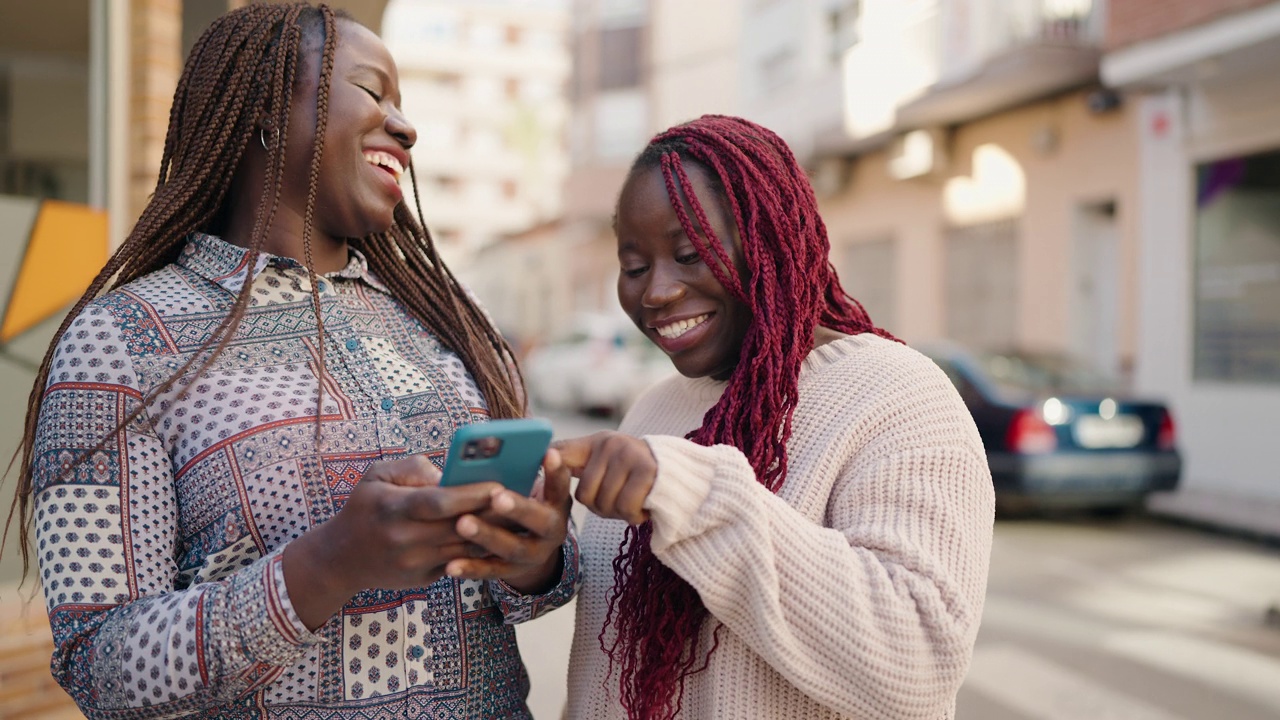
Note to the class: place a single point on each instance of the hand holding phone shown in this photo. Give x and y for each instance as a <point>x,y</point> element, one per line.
<point>508,452</point>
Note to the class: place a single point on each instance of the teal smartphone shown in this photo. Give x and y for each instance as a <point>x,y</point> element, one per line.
<point>508,452</point>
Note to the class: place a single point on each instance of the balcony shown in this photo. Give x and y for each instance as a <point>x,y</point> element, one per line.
<point>925,63</point>
<point>997,54</point>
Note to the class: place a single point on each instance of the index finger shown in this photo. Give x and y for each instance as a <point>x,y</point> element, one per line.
<point>438,503</point>
<point>575,452</point>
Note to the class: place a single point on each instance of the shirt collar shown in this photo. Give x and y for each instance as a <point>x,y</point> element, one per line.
<point>218,261</point>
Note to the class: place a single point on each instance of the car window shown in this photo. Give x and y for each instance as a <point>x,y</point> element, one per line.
<point>1019,373</point>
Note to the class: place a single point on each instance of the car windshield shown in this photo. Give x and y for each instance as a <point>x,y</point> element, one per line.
<point>1034,374</point>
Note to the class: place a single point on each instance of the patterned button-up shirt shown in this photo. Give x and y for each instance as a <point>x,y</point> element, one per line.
<point>160,553</point>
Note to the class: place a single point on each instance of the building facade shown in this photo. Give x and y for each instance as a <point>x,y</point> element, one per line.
<point>1201,76</point>
<point>483,81</point>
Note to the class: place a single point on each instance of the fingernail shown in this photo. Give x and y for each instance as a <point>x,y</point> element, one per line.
<point>467,526</point>
<point>504,503</point>
<point>453,569</point>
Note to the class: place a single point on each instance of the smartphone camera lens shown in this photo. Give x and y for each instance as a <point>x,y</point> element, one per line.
<point>481,449</point>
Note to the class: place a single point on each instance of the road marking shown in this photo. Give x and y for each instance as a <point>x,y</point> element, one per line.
<point>1044,621</point>
<point>1245,673</point>
<point>1044,690</point>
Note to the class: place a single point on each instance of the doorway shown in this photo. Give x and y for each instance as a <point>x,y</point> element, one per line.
<point>1095,286</point>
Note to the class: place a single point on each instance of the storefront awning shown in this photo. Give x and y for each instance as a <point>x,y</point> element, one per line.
<point>1246,38</point>
<point>49,253</point>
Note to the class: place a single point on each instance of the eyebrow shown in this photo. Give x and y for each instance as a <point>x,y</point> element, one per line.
<point>373,68</point>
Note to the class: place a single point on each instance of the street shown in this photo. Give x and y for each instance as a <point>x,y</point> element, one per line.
<point>1131,619</point>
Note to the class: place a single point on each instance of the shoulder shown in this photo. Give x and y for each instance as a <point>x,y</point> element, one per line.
<point>863,362</point>
<point>878,389</point>
<point>103,338</point>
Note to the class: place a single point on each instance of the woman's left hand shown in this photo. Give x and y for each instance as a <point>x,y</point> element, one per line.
<point>615,473</point>
<point>525,549</point>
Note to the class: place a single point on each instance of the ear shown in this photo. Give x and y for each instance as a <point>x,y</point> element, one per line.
<point>268,133</point>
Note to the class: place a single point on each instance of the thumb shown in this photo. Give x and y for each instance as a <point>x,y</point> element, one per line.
<point>411,471</point>
<point>556,474</point>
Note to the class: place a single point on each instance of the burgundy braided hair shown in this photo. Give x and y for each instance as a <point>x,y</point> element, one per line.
<point>238,81</point>
<point>791,288</point>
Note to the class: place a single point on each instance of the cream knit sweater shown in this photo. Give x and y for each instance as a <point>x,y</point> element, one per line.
<point>857,590</point>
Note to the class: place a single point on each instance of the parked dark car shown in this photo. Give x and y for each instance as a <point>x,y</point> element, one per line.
<point>1060,435</point>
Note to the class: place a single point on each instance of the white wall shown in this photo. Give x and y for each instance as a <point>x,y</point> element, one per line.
<point>1227,432</point>
<point>694,50</point>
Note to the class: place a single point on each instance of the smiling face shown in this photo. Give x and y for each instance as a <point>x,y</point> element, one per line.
<point>666,287</point>
<point>366,142</point>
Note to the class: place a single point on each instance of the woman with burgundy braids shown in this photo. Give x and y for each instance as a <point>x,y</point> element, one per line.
<point>797,526</point>
<point>230,458</point>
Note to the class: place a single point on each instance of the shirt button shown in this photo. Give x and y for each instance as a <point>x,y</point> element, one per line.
<point>387,403</point>
<point>320,286</point>
<point>352,344</point>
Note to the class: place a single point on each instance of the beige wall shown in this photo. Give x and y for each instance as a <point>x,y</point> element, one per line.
<point>155,54</point>
<point>1095,158</point>
<point>874,206</point>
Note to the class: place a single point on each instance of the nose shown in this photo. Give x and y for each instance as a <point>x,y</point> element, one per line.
<point>401,129</point>
<point>662,289</point>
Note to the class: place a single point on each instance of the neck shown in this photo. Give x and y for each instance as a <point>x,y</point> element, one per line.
<point>328,254</point>
<point>823,335</point>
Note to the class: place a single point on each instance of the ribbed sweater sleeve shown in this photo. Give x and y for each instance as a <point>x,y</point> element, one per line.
<point>862,582</point>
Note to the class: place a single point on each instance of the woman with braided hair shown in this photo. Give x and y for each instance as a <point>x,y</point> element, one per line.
<point>230,458</point>
<point>799,524</point>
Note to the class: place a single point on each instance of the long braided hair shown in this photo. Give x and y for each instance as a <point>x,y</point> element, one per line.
<point>790,288</point>
<point>239,82</point>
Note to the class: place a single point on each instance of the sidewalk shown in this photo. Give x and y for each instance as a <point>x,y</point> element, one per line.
<point>27,689</point>
<point>1250,516</point>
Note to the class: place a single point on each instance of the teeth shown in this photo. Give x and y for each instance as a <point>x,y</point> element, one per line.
<point>386,160</point>
<point>680,327</point>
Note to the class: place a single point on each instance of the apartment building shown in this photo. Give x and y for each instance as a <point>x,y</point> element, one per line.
<point>483,81</point>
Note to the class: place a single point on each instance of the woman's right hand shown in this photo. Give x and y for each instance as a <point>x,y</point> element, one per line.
<point>397,530</point>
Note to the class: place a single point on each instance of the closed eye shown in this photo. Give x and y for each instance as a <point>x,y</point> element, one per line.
<point>372,94</point>
<point>635,272</point>
<point>690,259</point>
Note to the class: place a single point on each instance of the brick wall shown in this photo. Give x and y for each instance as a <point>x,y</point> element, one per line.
<point>1132,21</point>
<point>155,63</point>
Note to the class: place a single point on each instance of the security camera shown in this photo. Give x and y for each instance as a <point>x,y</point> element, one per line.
<point>1102,100</point>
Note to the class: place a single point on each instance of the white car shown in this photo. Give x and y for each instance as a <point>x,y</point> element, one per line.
<point>601,369</point>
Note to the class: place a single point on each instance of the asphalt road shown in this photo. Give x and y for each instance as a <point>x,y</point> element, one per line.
<point>1131,619</point>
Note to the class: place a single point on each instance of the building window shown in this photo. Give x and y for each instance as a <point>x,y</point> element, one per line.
<point>1237,269</point>
<point>620,58</point>
<point>982,284</point>
<point>867,272</point>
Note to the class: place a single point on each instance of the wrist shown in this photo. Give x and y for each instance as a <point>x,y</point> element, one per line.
<point>541,579</point>
<point>315,579</point>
